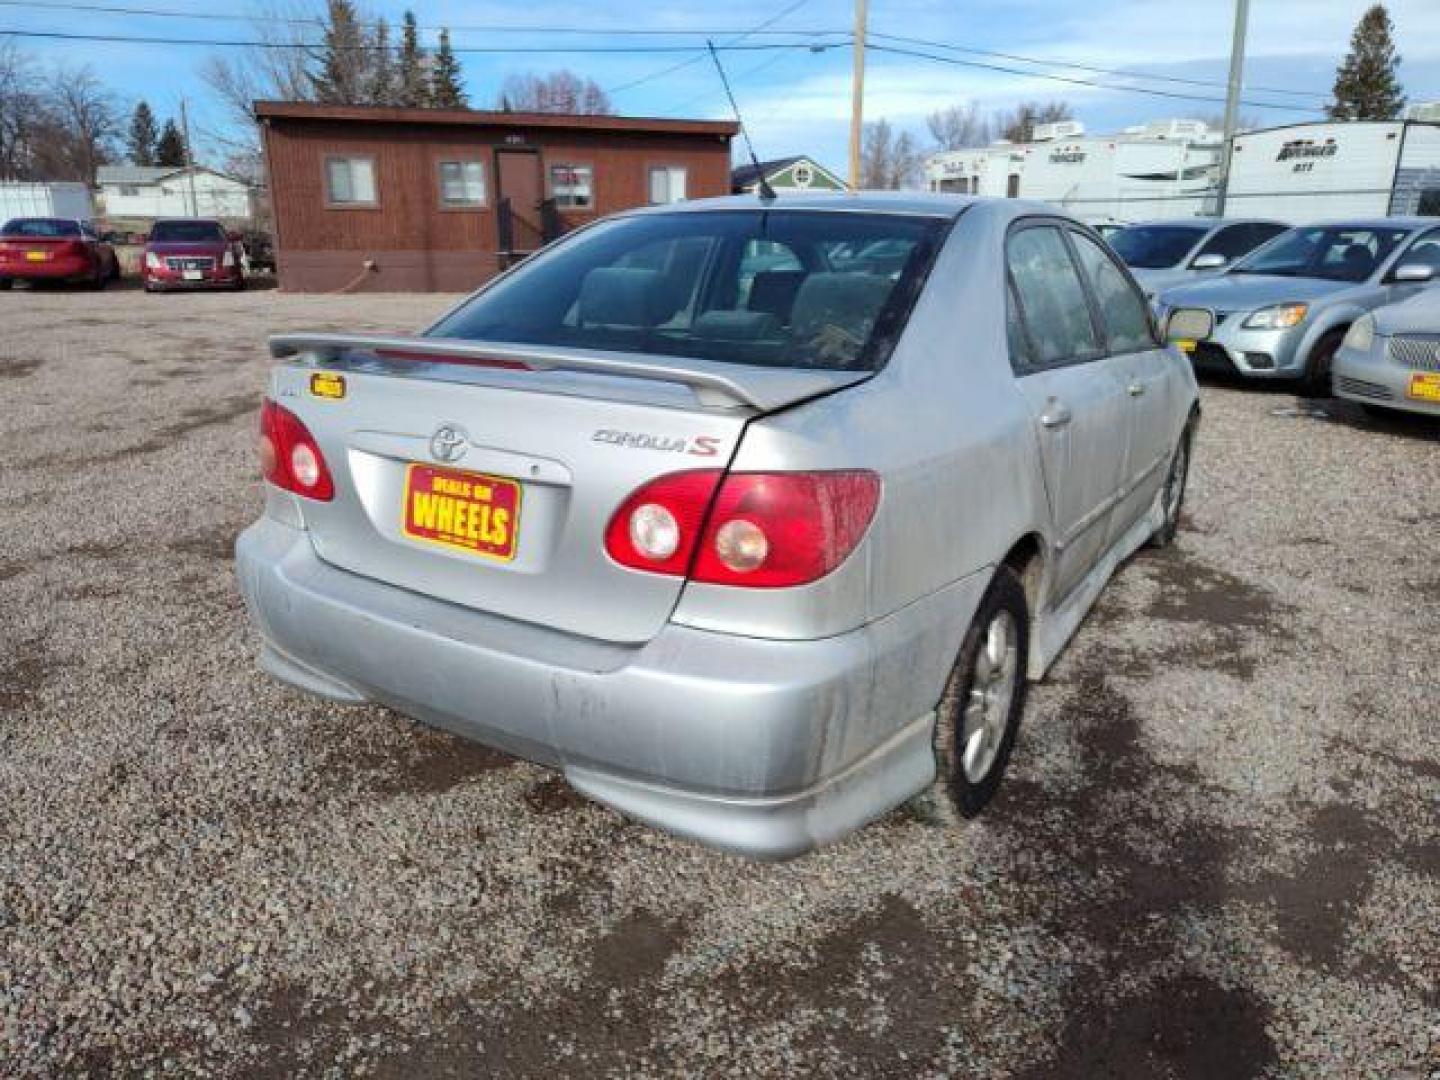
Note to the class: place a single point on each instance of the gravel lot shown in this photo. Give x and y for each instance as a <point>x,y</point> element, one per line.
<point>1217,855</point>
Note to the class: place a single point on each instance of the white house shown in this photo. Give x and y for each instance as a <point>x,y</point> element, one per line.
<point>143,191</point>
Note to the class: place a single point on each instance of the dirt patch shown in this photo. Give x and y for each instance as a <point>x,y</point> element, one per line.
<point>14,367</point>
<point>432,763</point>
<point>1191,592</point>
<point>217,543</point>
<point>23,670</point>
<point>554,795</point>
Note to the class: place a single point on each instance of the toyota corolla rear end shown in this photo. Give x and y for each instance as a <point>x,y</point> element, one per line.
<point>45,249</point>
<point>558,523</point>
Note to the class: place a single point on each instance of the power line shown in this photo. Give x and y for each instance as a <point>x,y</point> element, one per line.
<point>487,28</point>
<point>1085,67</point>
<point>957,62</point>
<point>124,39</point>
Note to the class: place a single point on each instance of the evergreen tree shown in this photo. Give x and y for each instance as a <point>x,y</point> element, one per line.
<point>170,148</point>
<point>344,58</point>
<point>412,91</point>
<point>1366,85</point>
<point>447,91</point>
<point>382,89</point>
<point>140,142</point>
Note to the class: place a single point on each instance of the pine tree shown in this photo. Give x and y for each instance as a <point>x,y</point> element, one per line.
<point>140,142</point>
<point>343,59</point>
<point>1366,86</point>
<point>382,89</point>
<point>170,148</point>
<point>412,91</point>
<point>447,91</point>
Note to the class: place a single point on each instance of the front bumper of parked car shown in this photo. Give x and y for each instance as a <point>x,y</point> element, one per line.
<point>764,748</point>
<point>1231,349</point>
<point>1373,376</point>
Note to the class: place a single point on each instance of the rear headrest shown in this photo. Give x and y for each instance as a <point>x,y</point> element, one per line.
<point>849,302</point>
<point>774,291</point>
<point>620,296</point>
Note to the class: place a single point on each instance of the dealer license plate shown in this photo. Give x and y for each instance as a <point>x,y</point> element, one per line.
<point>193,275</point>
<point>463,511</point>
<point>1425,387</point>
<point>37,256</point>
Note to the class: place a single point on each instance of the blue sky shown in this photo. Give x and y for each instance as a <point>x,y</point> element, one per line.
<point>797,100</point>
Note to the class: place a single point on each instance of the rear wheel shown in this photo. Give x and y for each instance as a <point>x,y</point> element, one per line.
<point>1172,495</point>
<point>1316,381</point>
<point>6,283</point>
<point>979,714</point>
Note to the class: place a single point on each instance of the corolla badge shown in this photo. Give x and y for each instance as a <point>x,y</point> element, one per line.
<point>449,442</point>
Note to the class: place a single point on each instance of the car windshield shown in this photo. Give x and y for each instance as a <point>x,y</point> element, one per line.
<point>41,227</point>
<point>193,232</point>
<point>1333,253</point>
<point>775,287</point>
<point>1155,247</point>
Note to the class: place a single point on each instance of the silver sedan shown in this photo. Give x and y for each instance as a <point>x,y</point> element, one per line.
<point>1390,359</point>
<point>750,532</point>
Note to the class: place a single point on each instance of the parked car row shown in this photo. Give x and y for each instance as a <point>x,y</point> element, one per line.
<point>179,253</point>
<point>1341,307</point>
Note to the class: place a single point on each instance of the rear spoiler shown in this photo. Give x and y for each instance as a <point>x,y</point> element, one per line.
<point>715,384</point>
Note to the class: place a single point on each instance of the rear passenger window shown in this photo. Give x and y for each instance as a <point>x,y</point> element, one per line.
<point>1053,306</point>
<point>1122,308</point>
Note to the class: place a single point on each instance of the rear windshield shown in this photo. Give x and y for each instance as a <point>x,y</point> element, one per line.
<point>41,227</point>
<point>1155,247</point>
<point>197,232</point>
<point>1332,253</point>
<point>775,287</point>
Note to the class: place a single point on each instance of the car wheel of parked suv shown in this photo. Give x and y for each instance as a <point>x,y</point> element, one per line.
<point>1316,381</point>
<point>979,713</point>
<point>1172,495</point>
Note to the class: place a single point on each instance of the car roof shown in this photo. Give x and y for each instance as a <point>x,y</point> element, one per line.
<point>930,204</point>
<point>1413,222</point>
<point>1206,222</point>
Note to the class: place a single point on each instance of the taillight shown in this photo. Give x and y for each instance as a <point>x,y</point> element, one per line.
<point>290,458</point>
<point>764,530</point>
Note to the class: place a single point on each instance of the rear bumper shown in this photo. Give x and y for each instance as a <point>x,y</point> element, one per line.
<point>764,748</point>
<point>66,268</point>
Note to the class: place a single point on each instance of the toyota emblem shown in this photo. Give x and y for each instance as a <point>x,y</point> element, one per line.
<point>449,442</point>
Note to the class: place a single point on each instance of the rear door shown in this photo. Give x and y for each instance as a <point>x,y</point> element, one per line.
<point>1075,393</point>
<point>1144,366</point>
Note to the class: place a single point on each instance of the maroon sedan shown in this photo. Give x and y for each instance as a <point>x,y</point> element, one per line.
<point>55,249</point>
<point>191,253</point>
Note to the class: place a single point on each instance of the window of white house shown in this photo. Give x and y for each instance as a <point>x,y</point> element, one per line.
<point>667,183</point>
<point>572,186</point>
<point>462,183</point>
<point>129,190</point>
<point>350,181</point>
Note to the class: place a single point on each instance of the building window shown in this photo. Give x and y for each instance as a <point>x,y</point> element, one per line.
<point>350,181</point>
<point>129,190</point>
<point>667,183</point>
<point>462,183</point>
<point>572,186</point>
<point>803,175</point>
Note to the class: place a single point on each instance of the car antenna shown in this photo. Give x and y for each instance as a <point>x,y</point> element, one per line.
<point>767,193</point>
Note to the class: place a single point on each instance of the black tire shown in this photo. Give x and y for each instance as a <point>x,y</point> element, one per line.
<point>1315,382</point>
<point>239,285</point>
<point>957,791</point>
<point>6,283</point>
<point>1172,495</point>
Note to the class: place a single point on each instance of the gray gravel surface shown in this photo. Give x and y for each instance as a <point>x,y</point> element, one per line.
<point>1217,855</point>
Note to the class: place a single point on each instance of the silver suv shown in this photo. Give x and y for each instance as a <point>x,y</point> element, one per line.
<point>751,518</point>
<point>1282,312</point>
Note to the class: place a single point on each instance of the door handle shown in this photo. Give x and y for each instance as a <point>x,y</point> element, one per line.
<point>1056,415</point>
<point>1136,389</point>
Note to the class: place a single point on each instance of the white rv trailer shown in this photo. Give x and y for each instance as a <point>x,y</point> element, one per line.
<point>1349,169</point>
<point>1165,169</point>
<point>65,200</point>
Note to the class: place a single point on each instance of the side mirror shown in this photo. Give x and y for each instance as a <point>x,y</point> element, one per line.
<point>1414,272</point>
<point>1186,326</point>
<point>1212,261</point>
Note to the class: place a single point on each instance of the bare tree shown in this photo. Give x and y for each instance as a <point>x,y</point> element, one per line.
<point>956,127</point>
<point>85,119</point>
<point>20,111</point>
<point>277,68</point>
<point>888,159</point>
<point>559,92</point>
<point>1019,125</point>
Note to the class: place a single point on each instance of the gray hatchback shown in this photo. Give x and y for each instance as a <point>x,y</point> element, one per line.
<point>751,518</point>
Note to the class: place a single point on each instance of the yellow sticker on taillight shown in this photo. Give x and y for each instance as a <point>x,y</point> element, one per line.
<point>326,384</point>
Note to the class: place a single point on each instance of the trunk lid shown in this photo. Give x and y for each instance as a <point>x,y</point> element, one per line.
<point>567,435</point>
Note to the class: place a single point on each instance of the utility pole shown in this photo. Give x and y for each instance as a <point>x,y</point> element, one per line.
<point>1232,101</point>
<point>857,98</point>
<point>189,161</point>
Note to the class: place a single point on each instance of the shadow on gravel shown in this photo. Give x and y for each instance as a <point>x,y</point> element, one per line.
<point>1127,865</point>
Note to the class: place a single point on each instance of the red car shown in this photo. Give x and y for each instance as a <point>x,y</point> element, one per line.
<point>55,249</point>
<point>192,253</point>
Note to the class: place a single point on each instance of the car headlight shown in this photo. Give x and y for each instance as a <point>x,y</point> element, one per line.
<point>1278,317</point>
<point>1361,334</point>
<point>153,261</point>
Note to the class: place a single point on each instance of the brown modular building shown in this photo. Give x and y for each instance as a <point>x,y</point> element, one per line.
<point>438,199</point>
